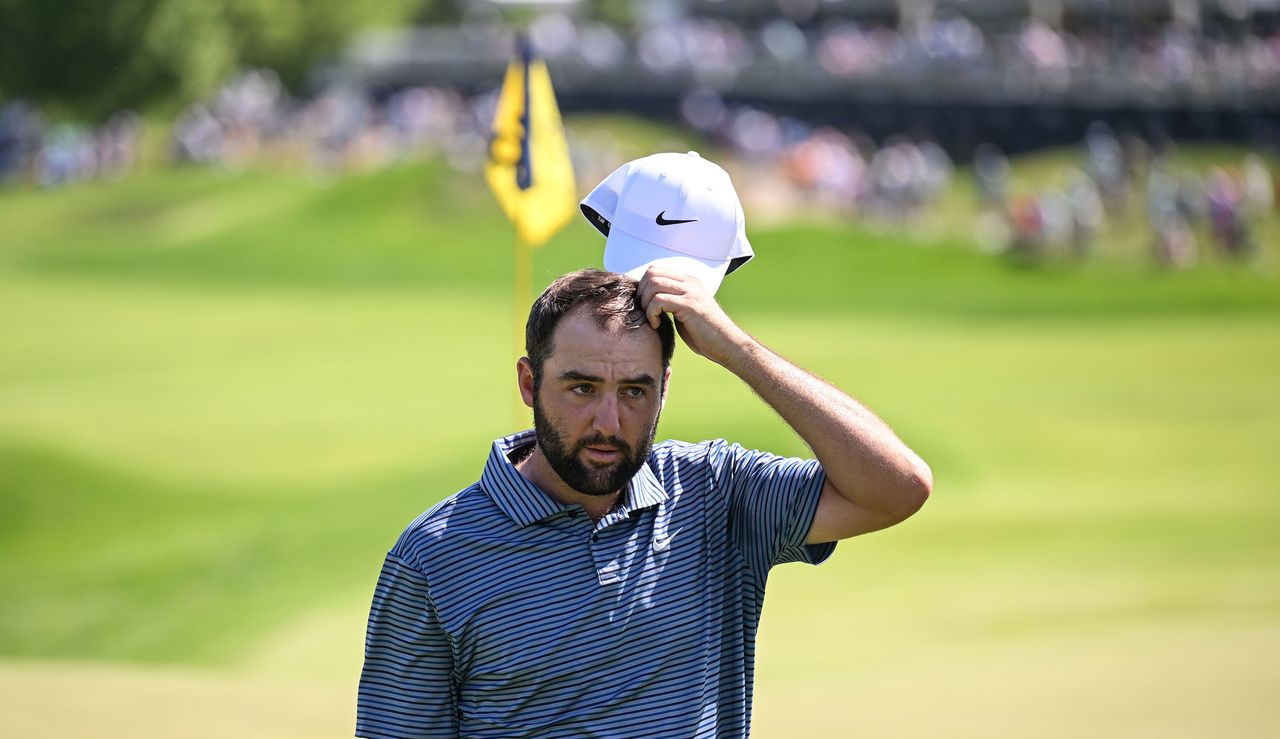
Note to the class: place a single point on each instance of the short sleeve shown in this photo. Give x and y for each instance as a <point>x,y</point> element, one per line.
<point>772,501</point>
<point>406,686</point>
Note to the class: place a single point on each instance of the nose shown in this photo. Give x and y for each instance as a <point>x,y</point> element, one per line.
<point>606,421</point>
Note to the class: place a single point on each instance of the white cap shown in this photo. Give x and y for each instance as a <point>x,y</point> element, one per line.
<point>678,210</point>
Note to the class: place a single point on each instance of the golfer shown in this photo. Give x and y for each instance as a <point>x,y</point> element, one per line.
<point>593,583</point>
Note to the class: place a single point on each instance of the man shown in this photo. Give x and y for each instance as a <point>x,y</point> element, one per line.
<point>592,584</point>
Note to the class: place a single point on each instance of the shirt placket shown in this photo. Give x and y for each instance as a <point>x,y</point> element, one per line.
<point>607,540</point>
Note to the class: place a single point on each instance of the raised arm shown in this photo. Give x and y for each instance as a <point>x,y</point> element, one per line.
<point>873,479</point>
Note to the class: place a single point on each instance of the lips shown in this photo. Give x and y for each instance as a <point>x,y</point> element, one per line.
<point>602,455</point>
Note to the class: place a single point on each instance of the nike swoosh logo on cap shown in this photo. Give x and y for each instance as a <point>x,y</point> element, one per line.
<point>664,222</point>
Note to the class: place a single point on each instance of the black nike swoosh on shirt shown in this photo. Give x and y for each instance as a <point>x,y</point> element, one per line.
<point>664,222</point>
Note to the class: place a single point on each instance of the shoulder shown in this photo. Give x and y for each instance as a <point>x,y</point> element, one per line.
<point>688,463</point>
<point>674,452</point>
<point>688,449</point>
<point>713,452</point>
<point>431,530</point>
<point>728,462</point>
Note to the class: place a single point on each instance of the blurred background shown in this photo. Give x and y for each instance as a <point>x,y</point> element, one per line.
<point>256,315</point>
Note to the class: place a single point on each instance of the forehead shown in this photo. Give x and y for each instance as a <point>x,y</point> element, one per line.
<point>579,340</point>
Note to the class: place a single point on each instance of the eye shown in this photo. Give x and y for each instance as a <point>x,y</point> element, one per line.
<point>634,393</point>
<point>582,389</point>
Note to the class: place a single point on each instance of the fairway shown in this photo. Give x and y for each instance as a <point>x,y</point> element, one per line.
<point>223,395</point>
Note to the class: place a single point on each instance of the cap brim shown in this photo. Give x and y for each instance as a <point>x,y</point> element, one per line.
<point>632,256</point>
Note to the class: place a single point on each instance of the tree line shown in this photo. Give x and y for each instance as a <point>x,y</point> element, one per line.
<point>89,57</point>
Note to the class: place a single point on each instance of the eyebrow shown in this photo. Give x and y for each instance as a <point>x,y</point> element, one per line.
<point>577,376</point>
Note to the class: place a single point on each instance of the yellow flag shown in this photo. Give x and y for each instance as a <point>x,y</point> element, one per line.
<point>528,166</point>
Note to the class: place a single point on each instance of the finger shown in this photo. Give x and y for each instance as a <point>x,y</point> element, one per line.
<point>646,289</point>
<point>652,285</point>
<point>653,311</point>
<point>645,294</point>
<point>646,279</point>
<point>668,285</point>
<point>667,272</point>
<point>677,306</point>
<point>664,303</point>
<point>681,283</point>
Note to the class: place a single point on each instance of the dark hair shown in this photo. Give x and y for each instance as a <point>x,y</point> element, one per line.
<point>612,297</point>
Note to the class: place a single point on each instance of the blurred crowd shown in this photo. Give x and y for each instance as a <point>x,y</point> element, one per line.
<point>785,166</point>
<point>1182,206</point>
<point>1188,212</point>
<point>342,129</point>
<point>715,50</point>
<point>790,163</point>
<point>796,166</point>
<point>51,155</point>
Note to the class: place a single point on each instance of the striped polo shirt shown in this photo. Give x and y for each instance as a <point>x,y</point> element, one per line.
<point>502,613</point>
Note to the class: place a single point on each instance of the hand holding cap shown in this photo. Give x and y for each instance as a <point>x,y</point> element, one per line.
<point>675,210</point>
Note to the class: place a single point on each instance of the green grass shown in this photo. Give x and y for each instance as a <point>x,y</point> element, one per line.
<point>223,395</point>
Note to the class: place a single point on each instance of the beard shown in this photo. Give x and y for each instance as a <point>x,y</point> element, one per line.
<point>564,456</point>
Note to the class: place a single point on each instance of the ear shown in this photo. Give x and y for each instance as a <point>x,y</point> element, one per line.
<point>666,385</point>
<point>524,380</point>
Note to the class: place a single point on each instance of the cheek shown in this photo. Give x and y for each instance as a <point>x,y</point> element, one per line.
<point>568,411</point>
<point>643,415</point>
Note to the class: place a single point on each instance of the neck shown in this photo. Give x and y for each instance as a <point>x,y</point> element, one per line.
<point>536,469</point>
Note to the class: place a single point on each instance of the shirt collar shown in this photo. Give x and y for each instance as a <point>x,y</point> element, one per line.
<point>525,503</point>
<point>644,490</point>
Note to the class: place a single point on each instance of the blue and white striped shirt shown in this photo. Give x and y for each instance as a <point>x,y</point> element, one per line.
<point>502,613</point>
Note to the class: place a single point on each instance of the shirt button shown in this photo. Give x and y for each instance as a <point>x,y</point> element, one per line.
<point>595,538</point>
<point>573,514</point>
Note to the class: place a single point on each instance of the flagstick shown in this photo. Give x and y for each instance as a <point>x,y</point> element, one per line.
<point>520,309</point>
